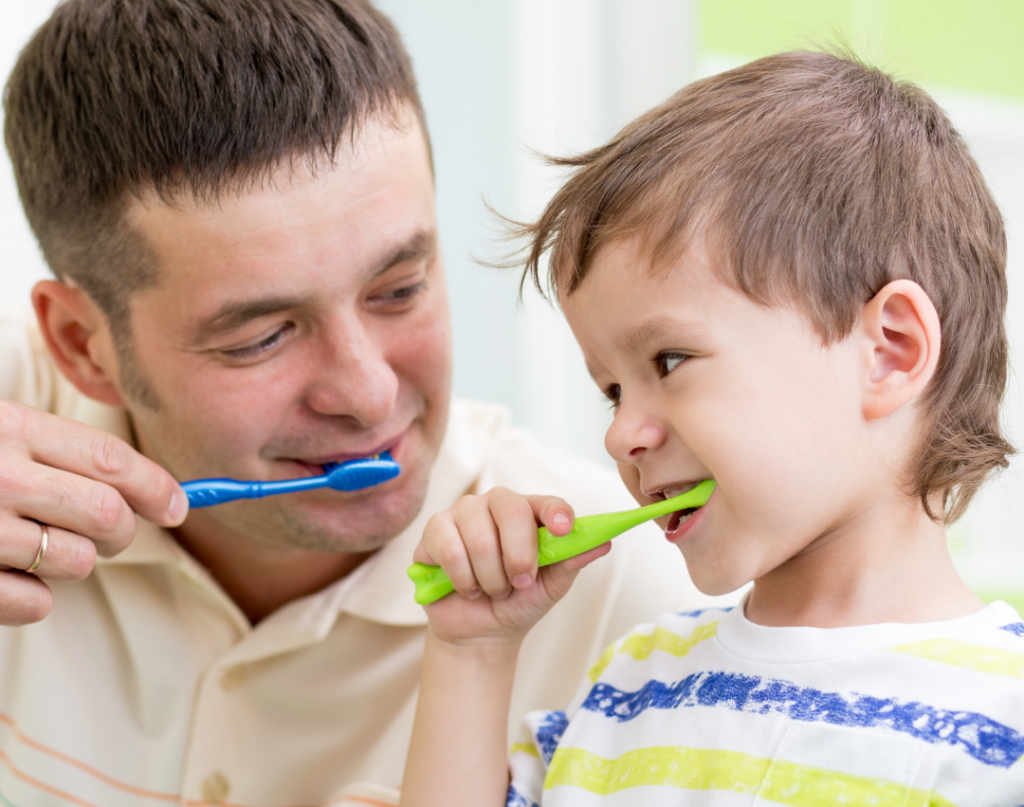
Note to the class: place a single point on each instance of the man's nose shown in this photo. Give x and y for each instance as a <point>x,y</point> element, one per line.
<point>633,432</point>
<point>354,376</point>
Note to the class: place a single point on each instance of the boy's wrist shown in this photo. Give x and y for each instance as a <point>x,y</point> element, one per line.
<point>486,650</point>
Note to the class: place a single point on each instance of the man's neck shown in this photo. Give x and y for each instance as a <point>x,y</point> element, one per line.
<point>262,579</point>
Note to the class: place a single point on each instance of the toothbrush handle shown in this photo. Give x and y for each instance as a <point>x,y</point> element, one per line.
<point>432,583</point>
<point>207,492</point>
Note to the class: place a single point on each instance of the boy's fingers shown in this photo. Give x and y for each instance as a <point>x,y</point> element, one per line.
<point>95,454</point>
<point>480,535</point>
<point>553,512</point>
<point>517,529</point>
<point>442,546</point>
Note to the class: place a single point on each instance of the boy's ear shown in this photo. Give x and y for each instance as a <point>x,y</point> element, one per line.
<point>902,331</point>
<point>79,339</point>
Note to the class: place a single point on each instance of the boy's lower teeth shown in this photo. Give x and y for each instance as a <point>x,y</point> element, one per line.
<point>679,517</point>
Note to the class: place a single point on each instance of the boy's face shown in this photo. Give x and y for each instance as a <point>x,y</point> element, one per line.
<point>709,384</point>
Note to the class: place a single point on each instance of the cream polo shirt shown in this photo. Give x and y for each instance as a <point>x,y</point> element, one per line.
<point>147,686</point>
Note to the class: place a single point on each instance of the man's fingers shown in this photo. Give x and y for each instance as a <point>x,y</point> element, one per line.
<point>77,504</point>
<point>23,599</point>
<point>67,556</point>
<point>92,453</point>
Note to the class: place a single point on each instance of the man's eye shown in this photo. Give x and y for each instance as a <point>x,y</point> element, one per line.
<point>250,351</point>
<point>402,294</point>
<point>670,361</point>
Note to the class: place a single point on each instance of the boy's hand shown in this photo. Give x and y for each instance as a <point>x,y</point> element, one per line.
<point>487,545</point>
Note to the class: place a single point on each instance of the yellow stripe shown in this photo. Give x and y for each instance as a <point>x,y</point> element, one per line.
<point>709,769</point>
<point>526,748</point>
<point>602,663</point>
<point>641,645</point>
<point>976,657</point>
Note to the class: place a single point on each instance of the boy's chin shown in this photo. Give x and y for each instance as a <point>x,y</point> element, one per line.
<point>715,585</point>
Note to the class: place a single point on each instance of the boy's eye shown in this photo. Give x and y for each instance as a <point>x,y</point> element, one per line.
<point>670,361</point>
<point>262,346</point>
<point>614,395</point>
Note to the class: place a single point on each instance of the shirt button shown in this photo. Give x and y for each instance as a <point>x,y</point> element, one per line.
<point>216,788</point>
<point>232,677</point>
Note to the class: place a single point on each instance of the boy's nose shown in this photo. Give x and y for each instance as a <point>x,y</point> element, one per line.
<point>633,432</point>
<point>354,378</point>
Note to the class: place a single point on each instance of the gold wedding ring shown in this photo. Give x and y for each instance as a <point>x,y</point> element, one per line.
<point>42,549</point>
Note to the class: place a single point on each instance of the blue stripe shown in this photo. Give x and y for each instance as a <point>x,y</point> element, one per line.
<point>700,611</point>
<point>984,739</point>
<point>517,799</point>
<point>1014,627</point>
<point>549,734</point>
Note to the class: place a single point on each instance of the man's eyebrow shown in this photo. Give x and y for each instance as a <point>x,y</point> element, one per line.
<point>422,244</point>
<point>237,313</point>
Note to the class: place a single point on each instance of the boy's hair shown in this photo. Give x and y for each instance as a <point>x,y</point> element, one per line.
<point>815,181</point>
<point>112,98</point>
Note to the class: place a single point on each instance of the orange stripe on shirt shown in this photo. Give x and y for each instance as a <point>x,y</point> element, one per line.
<point>138,791</point>
<point>42,785</point>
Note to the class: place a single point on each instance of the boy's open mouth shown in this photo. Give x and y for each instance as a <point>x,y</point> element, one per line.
<point>678,518</point>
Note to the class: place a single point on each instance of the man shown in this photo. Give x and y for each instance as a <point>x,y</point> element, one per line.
<point>237,200</point>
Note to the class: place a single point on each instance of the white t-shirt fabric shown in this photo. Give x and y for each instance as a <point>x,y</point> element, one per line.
<point>707,708</point>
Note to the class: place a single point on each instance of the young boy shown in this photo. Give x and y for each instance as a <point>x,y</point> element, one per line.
<point>790,279</point>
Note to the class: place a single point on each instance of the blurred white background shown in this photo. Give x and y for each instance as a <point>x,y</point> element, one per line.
<point>505,77</point>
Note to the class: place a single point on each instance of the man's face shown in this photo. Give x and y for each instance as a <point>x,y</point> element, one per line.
<point>300,322</point>
<point>708,384</point>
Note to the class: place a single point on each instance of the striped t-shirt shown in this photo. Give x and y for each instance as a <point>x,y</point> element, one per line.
<point>707,708</point>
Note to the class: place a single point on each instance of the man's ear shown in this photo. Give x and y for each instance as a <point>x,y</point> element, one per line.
<point>902,332</point>
<point>77,334</point>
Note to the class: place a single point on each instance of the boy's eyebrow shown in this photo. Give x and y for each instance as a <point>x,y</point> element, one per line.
<point>655,330</point>
<point>638,339</point>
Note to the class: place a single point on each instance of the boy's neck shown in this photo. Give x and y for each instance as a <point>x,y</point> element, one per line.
<point>892,565</point>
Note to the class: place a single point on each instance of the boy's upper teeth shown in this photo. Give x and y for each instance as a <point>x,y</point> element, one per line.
<point>669,493</point>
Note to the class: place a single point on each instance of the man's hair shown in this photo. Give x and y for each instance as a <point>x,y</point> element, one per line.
<point>814,180</point>
<point>113,98</point>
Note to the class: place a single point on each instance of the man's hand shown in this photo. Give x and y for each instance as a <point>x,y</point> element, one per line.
<point>84,484</point>
<point>487,546</point>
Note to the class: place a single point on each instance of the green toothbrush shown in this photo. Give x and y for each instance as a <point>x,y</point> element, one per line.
<point>587,532</point>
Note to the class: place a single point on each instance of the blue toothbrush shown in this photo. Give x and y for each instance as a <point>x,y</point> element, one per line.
<point>351,475</point>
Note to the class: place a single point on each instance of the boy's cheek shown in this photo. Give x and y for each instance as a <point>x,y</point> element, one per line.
<point>631,478</point>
